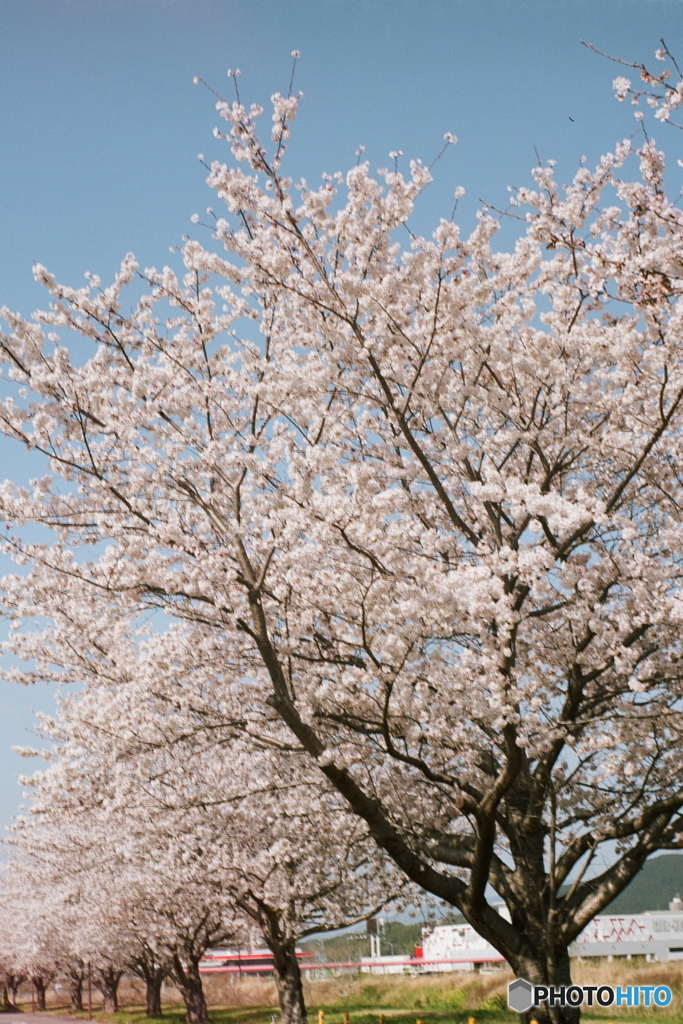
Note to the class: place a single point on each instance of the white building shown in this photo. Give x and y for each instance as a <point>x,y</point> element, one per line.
<point>457,947</point>
<point>448,947</point>
<point>656,935</point>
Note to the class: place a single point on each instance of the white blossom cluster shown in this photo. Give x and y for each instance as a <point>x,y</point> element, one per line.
<point>157,833</point>
<point>662,91</point>
<point>409,514</point>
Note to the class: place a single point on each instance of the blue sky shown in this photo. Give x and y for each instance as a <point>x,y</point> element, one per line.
<point>100,125</point>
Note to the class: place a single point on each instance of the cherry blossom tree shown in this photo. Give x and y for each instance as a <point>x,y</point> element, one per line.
<point>12,980</point>
<point>76,975</point>
<point>418,498</point>
<point>10,974</point>
<point>146,911</point>
<point>30,902</point>
<point>41,943</point>
<point>246,822</point>
<point>31,945</point>
<point>146,963</point>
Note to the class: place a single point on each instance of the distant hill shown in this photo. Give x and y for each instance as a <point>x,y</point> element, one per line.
<point>654,886</point>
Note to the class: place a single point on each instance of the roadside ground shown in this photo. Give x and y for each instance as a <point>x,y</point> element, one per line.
<point>263,1014</point>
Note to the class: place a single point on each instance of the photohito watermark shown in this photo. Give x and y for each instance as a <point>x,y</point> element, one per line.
<point>523,996</point>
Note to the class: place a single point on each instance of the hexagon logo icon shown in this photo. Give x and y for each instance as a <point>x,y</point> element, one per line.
<point>520,995</point>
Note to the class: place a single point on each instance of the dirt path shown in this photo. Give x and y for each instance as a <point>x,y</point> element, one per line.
<point>34,1018</point>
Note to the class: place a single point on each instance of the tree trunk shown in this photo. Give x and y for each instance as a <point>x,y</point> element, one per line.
<point>146,966</point>
<point>41,987</point>
<point>287,972</point>
<point>153,994</point>
<point>13,983</point>
<point>107,981</point>
<point>189,981</point>
<point>290,991</point>
<point>75,983</point>
<point>537,972</point>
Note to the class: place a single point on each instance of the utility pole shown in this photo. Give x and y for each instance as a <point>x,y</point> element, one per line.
<point>374,926</point>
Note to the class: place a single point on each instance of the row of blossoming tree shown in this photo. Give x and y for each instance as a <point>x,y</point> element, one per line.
<point>371,529</point>
<point>153,838</point>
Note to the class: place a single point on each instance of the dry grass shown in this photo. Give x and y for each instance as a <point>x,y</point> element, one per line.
<point>228,990</point>
<point>433,998</point>
<point>444,992</point>
<point>633,972</point>
<point>474,991</point>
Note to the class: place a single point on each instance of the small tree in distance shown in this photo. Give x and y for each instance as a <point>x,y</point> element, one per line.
<point>428,524</point>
